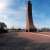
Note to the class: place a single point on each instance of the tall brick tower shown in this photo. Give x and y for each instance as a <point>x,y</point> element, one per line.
<point>30,26</point>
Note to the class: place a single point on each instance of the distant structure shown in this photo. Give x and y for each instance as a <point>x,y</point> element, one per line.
<point>29,25</point>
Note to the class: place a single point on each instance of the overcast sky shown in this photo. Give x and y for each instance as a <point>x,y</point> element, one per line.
<point>13,13</point>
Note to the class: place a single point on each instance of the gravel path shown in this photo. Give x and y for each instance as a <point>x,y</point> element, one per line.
<point>10,41</point>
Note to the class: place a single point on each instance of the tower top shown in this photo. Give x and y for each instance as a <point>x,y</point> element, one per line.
<point>29,1</point>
